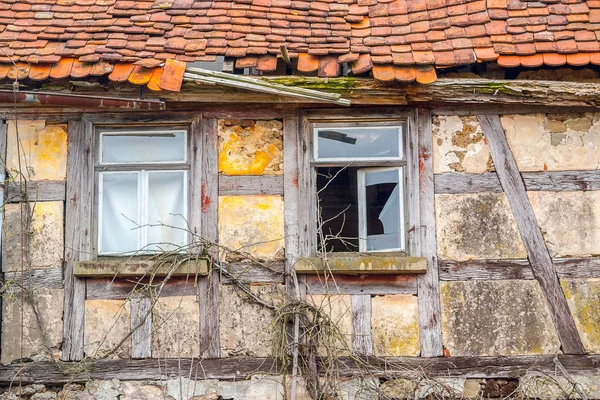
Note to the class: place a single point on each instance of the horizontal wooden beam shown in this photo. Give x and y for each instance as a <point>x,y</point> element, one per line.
<point>51,278</point>
<point>250,184</point>
<point>555,181</point>
<point>361,264</point>
<point>362,284</point>
<point>271,272</point>
<point>237,368</point>
<point>581,268</point>
<point>131,268</point>
<point>36,191</point>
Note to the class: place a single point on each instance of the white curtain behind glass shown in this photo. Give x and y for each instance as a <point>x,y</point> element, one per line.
<point>120,215</point>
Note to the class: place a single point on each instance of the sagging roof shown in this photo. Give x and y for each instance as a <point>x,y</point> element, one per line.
<point>396,39</point>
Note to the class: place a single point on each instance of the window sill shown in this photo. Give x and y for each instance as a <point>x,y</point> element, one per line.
<point>362,263</point>
<point>128,268</point>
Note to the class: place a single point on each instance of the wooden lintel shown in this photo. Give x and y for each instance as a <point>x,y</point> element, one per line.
<point>250,185</point>
<point>554,181</point>
<point>362,284</point>
<point>537,251</point>
<point>238,368</point>
<point>36,191</point>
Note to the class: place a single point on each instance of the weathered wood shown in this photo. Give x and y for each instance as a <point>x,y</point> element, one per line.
<point>412,184</point>
<point>239,368</point>
<point>362,284</point>
<point>51,278</point>
<point>577,268</point>
<point>142,369</point>
<point>78,227</point>
<point>272,272</point>
<point>537,252</point>
<point>36,191</point>
<point>111,289</point>
<point>3,146</point>
<point>131,268</point>
<point>362,264</point>
<point>208,287</point>
<point>554,181</point>
<point>430,329</point>
<point>141,325</point>
<point>362,342</point>
<point>249,185</point>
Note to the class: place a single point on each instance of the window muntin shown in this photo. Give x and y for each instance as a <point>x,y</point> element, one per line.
<point>360,193</point>
<point>131,147</point>
<point>338,143</point>
<point>142,205</point>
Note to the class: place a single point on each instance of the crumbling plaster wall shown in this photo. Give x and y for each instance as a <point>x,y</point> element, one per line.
<point>498,317</point>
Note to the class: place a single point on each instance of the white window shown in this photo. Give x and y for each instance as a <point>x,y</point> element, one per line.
<point>142,181</point>
<point>360,186</point>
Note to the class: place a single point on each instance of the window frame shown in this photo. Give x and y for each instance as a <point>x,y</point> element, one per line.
<point>406,162</point>
<point>100,167</point>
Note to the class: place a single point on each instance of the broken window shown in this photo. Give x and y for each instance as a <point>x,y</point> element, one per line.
<point>360,187</point>
<point>142,180</point>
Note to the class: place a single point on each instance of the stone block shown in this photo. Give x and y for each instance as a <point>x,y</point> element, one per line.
<point>554,142</point>
<point>43,150</point>
<point>541,386</point>
<point>337,339</point>
<point>570,221</point>
<point>176,327</point>
<point>481,318</point>
<point>107,323</point>
<point>250,148</point>
<point>583,296</point>
<point>251,225</point>
<point>248,328</point>
<point>459,146</point>
<point>476,226</point>
<point>43,240</point>
<point>395,325</point>
<point>42,334</point>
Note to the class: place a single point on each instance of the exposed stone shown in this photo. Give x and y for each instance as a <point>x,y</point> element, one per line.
<point>44,396</point>
<point>183,388</point>
<point>252,225</point>
<point>536,146</point>
<point>176,327</point>
<point>265,387</point>
<point>43,242</point>
<point>250,148</point>
<point>496,318</point>
<point>459,146</point>
<point>107,323</point>
<point>541,386</point>
<point>440,388</point>
<point>143,391</point>
<point>476,226</point>
<point>583,296</point>
<point>42,335</point>
<point>336,341</point>
<point>398,389</point>
<point>472,388</point>
<point>500,388</point>
<point>358,389</point>
<point>247,328</point>
<point>570,221</point>
<point>395,325</point>
<point>43,150</point>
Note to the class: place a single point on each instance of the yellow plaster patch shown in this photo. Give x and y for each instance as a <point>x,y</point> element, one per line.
<point>583,296</point>
<point>339,310</point>
<point>253,225</point>
<point>176,327</point>
<point>43,150</point>
<point>395,325</point>
<point>107,322</point>
<point>251,150</point>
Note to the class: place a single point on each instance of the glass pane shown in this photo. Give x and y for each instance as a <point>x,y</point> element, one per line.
<point>377,142</point>
<point>383,210</point>
<point>119,213</point>
<point>141,147</point>
<point>166,210</point>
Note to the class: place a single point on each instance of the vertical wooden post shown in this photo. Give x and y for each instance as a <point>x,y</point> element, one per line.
<point>208,287</point>
<point>362,341</point>
<point>141,318</point>
<point>537,251</point>
<point>430,329</point>
<point>3,182</point>
<point>78,221</point>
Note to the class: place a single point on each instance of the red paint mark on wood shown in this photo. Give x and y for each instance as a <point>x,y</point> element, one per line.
<point>423,157</point>
<point>205,199</point>
<point>295,181</point>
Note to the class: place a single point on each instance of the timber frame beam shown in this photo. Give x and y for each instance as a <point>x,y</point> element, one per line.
<point>238,368</point>
<point>537,251</point>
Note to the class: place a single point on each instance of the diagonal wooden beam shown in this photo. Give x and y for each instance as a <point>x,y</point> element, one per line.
<point>537,252</point>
